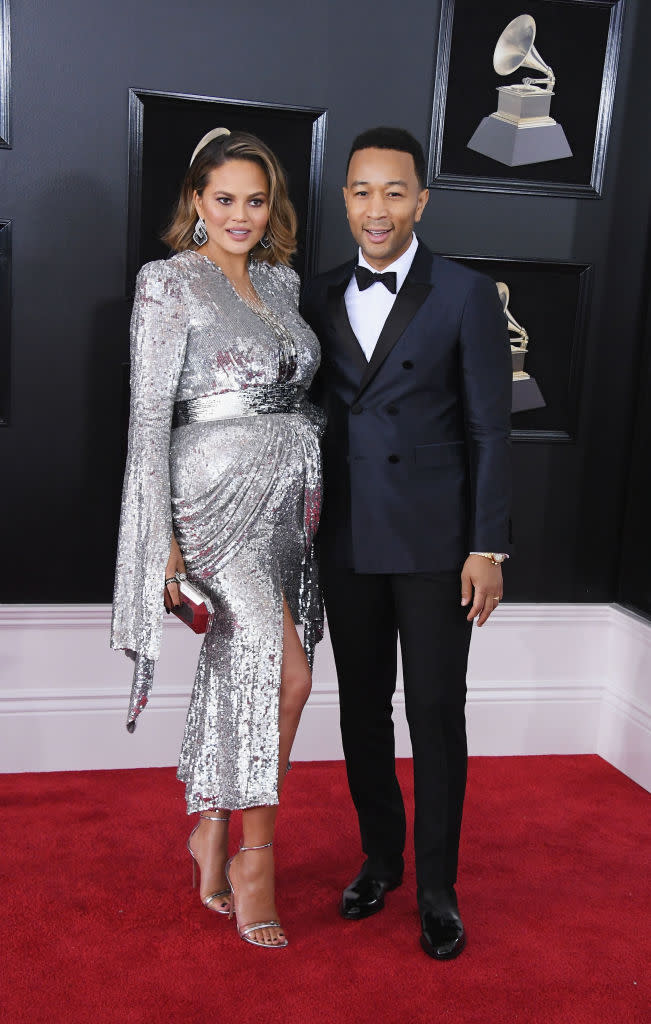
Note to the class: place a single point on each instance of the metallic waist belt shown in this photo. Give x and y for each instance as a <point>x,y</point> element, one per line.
<point>253,401</point>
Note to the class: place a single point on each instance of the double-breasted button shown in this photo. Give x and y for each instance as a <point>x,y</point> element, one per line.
<point>407,365</point>
<point>393,410</point>
<point>394,458</point>
<point>356,408</point>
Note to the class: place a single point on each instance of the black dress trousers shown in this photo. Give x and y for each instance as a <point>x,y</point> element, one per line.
<point>366,614</point>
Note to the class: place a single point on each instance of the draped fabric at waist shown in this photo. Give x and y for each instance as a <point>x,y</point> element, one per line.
<point>252,401</point>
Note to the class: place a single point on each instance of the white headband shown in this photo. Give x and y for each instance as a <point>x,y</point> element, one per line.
<point>208,137</point>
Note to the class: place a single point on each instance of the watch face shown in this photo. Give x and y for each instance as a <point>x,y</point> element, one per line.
<point>499,558</point>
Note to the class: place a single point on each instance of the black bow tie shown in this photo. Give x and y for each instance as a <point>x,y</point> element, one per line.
<point>365,278</point>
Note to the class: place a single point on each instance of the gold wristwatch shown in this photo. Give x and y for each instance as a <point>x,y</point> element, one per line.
<point>492,556</point>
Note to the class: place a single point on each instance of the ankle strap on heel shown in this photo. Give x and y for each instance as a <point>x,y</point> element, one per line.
<point>245,849</point>
<point>211,817</point>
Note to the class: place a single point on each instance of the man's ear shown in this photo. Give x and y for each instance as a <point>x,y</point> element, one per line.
<point>423,199</point>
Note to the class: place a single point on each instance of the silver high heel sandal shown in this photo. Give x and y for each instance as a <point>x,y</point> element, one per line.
<point>246,930</point>
<point>223,893</point>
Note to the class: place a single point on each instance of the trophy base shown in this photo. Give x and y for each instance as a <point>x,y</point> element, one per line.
<point>515,144</point>
<point>525,394</point>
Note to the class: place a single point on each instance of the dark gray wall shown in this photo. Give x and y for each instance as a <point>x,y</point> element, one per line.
<point>64,186</point>
<point>635,579</point>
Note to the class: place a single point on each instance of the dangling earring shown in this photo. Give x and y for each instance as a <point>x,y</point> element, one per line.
<point>200,235</point>
<point>265,241</point>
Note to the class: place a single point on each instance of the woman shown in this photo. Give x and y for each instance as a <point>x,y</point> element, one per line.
<point>223,483</point>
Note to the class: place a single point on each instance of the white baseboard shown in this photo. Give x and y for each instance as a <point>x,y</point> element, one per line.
<point>543,679</point>
<point>624,737</point>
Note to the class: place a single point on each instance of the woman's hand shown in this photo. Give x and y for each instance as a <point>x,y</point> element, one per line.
<point>175,564</point>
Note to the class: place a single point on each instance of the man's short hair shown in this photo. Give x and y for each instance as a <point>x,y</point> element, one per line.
<point>392,138</point>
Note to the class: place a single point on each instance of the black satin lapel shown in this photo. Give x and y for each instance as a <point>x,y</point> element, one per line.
<point>340,325</point>
<point>408,301</point>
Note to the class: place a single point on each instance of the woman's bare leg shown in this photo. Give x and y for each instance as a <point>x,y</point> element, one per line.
<point>252,873</point>
<point>295,686</point>
<point>210,847</point>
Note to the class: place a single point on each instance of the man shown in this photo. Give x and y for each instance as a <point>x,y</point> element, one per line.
<point>416,382</point>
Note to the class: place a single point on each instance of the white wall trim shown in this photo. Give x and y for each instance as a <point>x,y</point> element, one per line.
<point>625,721</point>
<point>557,678</point>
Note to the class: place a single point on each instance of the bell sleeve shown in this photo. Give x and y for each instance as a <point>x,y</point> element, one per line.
<point>158,340</point>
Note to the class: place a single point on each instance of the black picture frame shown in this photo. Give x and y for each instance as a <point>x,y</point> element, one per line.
<point>5,75</point>
<point>580,39</point>
<point>163,131</point>
<point>550,298</point>
<point>5,320</point>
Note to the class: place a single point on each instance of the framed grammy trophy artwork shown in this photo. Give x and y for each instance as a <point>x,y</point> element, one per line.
<point>163,131</point>
<point>545,305</point>
<point>5,76</point>
<point>523,95</point>
<point>5,319</point>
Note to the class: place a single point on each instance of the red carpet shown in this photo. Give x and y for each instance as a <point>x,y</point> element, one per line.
<point>100,924</point>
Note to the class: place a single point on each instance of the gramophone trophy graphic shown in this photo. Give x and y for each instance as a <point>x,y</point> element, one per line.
<point>521,130</point>
<point>525,392</point>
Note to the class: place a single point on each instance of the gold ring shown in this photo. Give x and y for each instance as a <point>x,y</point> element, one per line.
<point>496,599</point>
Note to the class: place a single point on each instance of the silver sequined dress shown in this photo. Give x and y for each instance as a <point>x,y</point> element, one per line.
<point>239,482</point>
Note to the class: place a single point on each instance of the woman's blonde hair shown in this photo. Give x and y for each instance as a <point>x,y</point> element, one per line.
<point>281,229</point>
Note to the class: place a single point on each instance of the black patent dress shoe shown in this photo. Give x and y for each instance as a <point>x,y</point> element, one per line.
<point>365,894</point>
<point>442,935</point>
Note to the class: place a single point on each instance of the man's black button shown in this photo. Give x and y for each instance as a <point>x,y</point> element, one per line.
<point>393,410</point>
<point>356,409</point>
<point>407,365</point>
<point>394,458</point>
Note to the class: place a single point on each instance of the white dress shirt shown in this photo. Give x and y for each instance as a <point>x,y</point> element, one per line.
<point>368,310</point>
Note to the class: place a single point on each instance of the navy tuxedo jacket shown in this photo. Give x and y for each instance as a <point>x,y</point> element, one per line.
<point>416,450</point>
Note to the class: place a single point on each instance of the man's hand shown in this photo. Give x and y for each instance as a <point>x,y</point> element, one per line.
<point>486,578</point>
